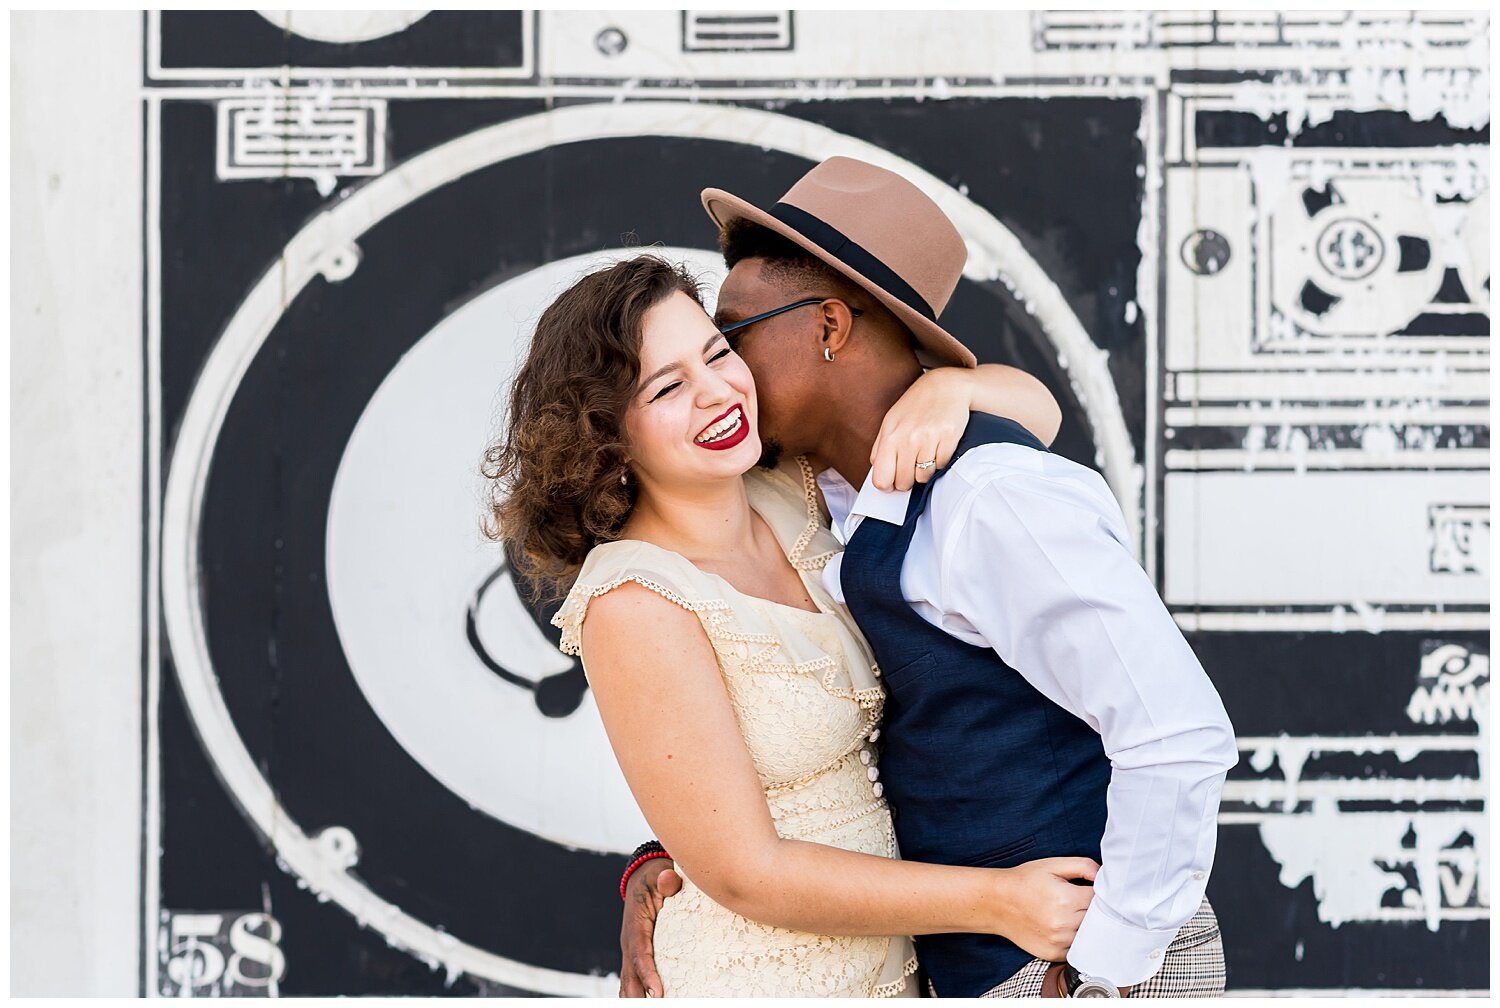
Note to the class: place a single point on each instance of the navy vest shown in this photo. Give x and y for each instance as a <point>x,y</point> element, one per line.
<point>979,768</point>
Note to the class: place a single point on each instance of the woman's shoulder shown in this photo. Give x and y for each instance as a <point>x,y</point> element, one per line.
<point>612,564</point>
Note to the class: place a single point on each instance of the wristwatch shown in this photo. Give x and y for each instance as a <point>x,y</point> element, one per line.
<point>1081,985</point>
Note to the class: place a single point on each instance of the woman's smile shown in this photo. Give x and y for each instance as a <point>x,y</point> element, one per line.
<point>726,431</point>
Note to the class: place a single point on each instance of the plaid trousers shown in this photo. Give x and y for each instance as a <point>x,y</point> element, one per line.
<point>1191,966</point>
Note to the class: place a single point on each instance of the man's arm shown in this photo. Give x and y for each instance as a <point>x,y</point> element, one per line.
<point>1035,558</point>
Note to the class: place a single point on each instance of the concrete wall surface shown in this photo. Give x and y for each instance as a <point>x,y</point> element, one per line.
<point>76,515</point>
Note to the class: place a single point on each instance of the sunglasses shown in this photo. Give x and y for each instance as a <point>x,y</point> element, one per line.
<point>742,323</point>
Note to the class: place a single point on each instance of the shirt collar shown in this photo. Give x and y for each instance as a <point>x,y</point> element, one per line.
<point>872,502</point>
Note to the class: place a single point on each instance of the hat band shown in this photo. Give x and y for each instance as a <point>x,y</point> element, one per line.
<point>837,244</point>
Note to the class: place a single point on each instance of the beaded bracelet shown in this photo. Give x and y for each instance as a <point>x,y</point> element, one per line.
<point>649,855</point>
<point>646,848</point>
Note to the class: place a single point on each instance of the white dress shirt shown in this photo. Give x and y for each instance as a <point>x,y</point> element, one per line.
<point>1026,552</point>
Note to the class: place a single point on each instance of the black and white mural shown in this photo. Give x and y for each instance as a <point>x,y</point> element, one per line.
<point>1248,252</point>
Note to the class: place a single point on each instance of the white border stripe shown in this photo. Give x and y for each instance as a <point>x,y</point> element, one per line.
<point>151,813</point>
<point>1349,622</point>
<point>1227,386</point>
<point>1397,414</point>
<point>1332,459</point>
<point>1364,743</point>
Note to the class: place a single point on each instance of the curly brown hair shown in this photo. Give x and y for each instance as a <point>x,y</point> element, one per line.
<point>555,488</point>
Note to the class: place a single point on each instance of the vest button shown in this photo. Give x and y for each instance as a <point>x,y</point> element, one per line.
<point>874,734</point>
<point>879,789</point>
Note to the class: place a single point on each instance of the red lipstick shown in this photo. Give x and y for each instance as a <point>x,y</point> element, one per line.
<point>733,439</point>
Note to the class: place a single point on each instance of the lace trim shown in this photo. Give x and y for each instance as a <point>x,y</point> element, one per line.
<point>877,805</point>
<point>718,620</point>
<point>892,988</point>
<point>569,618</point>
<point>814,522</point>
<point>825,669</point>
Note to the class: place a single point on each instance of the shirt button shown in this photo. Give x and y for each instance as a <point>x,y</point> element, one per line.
<point>1198,875</point>
<point>874,774</point>
<point>876,670</point>
<point>880,790</point>
<point>1156,953</point>
<point>864,756</point>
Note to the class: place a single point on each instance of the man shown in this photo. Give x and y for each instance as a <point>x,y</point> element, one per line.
<point>1041,700</point>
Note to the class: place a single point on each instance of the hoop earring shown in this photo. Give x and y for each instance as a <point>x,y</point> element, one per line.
<point>828,355</point>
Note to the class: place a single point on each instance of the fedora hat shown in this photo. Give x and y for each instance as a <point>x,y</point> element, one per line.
<point>880,231</point>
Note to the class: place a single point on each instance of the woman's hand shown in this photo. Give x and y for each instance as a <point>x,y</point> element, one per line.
<point>924,425</point>
<point>1039,909</point>
<point>927,421</point>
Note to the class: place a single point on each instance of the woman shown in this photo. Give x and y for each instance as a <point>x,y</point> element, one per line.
<point>739,699</point>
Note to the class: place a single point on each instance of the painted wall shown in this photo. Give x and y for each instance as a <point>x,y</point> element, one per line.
<point>1248,252</point>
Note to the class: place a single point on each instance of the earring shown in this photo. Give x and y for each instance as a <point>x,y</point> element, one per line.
<point>622,479</point>
<point>828,355</point>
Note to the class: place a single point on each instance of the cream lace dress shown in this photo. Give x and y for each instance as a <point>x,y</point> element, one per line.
<point>807,696</point>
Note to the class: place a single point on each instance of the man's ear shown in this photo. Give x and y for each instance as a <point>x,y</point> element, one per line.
<point>837,322</point>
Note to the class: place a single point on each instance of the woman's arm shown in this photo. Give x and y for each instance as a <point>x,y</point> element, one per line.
<point>930,417</point>
<point>675,735</point>
<point>1005,391</point>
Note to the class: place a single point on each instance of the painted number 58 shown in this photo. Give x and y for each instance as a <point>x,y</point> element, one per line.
<point>245,958</point>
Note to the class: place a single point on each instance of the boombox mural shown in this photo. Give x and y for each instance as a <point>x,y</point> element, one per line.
<point>1248,252</point>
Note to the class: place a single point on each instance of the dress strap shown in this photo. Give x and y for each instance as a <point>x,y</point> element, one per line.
<point>610,565</point>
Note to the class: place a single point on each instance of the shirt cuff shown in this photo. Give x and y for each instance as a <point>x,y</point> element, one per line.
<point>1123,954</point>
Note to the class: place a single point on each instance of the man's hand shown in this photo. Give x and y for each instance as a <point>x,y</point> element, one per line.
<point>649,886</point>
<point>1044,908</point>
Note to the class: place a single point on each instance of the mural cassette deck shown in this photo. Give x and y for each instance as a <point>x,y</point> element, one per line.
<point>1262,301</point>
